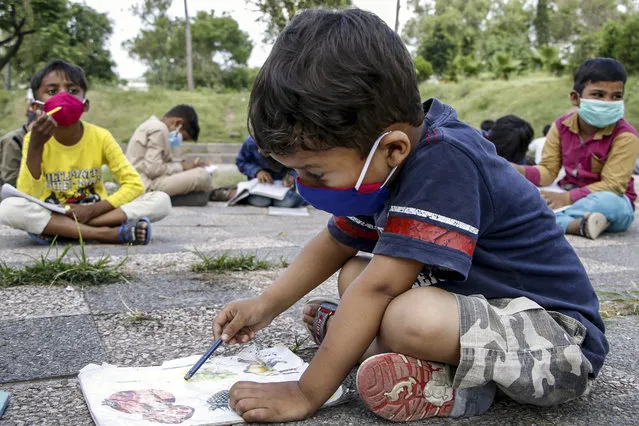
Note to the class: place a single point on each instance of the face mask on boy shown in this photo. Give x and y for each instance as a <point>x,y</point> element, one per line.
<point>361,200</point>
<point>71,108</point>
<point>600,113</point>
<point>175,137</point>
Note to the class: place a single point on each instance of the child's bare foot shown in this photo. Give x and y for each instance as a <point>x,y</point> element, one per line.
<point>315,315</point>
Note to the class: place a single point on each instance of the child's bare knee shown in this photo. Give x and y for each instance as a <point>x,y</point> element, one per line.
<point>417,319</point>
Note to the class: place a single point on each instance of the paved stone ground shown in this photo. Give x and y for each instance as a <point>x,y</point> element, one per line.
<point>48,333</point>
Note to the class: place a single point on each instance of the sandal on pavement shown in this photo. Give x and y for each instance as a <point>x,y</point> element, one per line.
<point>593,225</point>
<point>42,240</point>
<point>327,307</point>
<point>128,231</point>
<point>401,388</point>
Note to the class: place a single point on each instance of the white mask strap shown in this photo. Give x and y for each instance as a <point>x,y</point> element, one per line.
<point>368,163</point>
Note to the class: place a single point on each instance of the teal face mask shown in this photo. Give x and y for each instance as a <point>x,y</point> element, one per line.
<point>600,113</point>
<point>175,137</point>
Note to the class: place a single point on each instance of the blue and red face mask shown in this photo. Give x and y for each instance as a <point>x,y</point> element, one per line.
<point>360,200</point>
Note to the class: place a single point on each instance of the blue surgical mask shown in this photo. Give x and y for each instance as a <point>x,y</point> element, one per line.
<point>175,137</point>
<point>600,113</point>
<point>361,200</point>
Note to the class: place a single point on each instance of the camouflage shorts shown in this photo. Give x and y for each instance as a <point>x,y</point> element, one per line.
<point>533,355</point>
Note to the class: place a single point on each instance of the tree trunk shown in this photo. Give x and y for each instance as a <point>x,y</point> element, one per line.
<point>189,52</point>
<point>397,16</point>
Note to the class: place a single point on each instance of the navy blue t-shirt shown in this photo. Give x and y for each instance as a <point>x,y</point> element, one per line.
<point>478,226</point>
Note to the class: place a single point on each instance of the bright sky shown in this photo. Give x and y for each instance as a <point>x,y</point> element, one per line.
<point>126,26</point>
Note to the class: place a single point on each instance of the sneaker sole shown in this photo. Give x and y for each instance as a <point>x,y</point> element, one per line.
<point>596,224</point>
<point>401,388</point>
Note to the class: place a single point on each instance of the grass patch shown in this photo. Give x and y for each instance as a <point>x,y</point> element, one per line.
<point>50,270</point>
<point>227,262</point>
<point>615,308</point>
<point>537,98</point>
<point>613,304</point>
<point>135,315</point>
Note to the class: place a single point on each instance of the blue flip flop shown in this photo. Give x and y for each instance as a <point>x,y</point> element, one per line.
<point>127,232</point>
<point>39,240</point>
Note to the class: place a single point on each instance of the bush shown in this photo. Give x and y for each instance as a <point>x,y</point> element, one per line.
<point>423,68</point>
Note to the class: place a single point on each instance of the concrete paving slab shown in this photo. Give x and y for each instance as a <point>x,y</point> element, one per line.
<point>159,292</point>
<point>41,301</point>
<point>47,347</point>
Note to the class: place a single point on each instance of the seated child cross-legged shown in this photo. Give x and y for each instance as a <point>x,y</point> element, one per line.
<point>61,164</point>
<point>471,286</point>
<point>597,148</point>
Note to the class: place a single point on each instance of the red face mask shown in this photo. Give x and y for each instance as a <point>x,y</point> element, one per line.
<point>71,108</point>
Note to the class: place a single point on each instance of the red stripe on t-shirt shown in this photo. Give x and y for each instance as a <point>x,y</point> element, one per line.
<point>431,234</point>
<point>353,230</point>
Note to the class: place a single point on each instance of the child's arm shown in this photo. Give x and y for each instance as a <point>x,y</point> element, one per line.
<point>353,328</point>
<point>245,160</point>
<point>154,164</point>
<point>617,169</point>
<point>131,185</point>
<point>30,179</point>
<point>317,261</point>
<point>546,172</point>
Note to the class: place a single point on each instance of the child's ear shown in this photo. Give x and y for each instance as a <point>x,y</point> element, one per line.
<point>397,146</point>
<point>178,122</point>
<point>36,106</point>
<point>574,98</point>
<point>87,105</point>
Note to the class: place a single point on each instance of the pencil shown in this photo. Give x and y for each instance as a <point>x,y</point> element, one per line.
<point>202,360</point>
<point>54,110</point>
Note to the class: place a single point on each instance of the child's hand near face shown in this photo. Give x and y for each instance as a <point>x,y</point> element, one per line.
<point>43,128</point>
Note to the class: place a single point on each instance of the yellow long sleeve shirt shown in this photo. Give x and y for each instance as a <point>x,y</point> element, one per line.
<point>71,174</point>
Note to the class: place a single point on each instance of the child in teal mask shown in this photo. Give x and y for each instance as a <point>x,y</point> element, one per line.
<point>597,148</point>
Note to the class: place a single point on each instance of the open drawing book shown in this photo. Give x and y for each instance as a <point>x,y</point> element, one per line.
<point>148,396</point>
<point>275,190</point>
<point>9,191</point>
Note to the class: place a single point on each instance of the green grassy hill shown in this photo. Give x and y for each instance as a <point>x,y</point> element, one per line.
<point>538,99</point>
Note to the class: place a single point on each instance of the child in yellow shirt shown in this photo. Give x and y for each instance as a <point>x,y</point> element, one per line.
<point>62,161</point>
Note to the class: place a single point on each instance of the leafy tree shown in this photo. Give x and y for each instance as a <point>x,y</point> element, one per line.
<point>13,31</point>
<point>423,68</point>
<point>220,48</point>
<point>620,40</point>
<point>504,65</point>
<point>542,23</point>
<point>277,13</point>
<point>70,31</point>
<point>440,49</point>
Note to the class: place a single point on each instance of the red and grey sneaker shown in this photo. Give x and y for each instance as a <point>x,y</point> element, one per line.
<point>402,389</point>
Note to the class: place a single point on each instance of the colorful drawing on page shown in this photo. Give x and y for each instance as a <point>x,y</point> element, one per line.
<point>219,401</point>
<point>155,405</point>
<point>212,374</point>
<point>149,396</point>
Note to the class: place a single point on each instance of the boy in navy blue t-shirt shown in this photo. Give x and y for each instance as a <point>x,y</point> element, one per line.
<point>471,285</point>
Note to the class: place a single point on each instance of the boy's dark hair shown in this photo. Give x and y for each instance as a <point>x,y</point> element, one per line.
<point>188,114</point>
<point>333,79</point>
<point>487,125</point>
<point>598,69</point>
<point>511,136</point>
<point>546,129</point>
<point>73,73</point>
